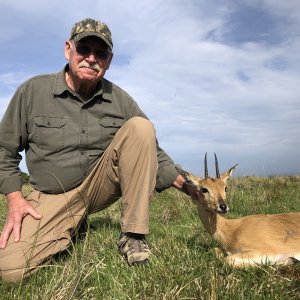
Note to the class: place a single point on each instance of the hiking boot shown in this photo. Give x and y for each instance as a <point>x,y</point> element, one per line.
<point>134,247</point>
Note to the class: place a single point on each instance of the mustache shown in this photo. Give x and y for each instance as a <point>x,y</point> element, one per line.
<point>85,64</point>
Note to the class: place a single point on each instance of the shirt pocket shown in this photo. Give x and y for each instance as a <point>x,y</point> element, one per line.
<point>108,128</point>
<point>50,132</point>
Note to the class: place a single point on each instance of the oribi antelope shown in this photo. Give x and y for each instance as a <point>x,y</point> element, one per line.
<point>248,241</point>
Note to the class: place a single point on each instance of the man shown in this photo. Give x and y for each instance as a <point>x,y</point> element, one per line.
<point>87,143</point>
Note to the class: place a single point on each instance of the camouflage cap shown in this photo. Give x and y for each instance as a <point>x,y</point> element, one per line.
<point>90,27</point>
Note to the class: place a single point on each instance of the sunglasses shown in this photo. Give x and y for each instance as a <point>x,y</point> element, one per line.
<point>85,50</point>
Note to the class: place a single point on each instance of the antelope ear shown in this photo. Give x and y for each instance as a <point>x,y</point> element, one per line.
<point>226,175</point>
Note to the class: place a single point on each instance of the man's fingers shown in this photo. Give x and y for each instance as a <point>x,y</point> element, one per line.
<point>18,209</point>
<point>31,211</point>
<point>17,230</point>
<point>7,229</point>
<point>16,226</point>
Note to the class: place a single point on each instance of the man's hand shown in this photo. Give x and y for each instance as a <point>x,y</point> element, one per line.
<point>18,208</point>
<point>185,186</point>
<point>190,189</point>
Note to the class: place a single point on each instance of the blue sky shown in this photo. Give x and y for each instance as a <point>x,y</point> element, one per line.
<point>213,76</point>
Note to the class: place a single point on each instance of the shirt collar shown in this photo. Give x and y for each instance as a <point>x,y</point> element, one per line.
<point>60,85</point>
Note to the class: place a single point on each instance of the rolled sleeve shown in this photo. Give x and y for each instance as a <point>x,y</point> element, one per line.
<point>12,133</point>
<point>166,176</point>
<point>11,184</point>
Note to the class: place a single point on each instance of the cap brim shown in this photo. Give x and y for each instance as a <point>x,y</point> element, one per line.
<point>82,35</point>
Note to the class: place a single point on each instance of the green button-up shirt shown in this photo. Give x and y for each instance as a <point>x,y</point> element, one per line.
<point>64,136</point>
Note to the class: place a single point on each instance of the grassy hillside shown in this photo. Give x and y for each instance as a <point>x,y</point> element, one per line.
<point>183,265</point>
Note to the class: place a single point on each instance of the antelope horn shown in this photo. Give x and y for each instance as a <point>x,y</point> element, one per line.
<point>217,167</point>
<point>205,166</point>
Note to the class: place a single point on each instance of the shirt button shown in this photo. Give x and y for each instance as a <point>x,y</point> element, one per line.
<point>83,131</point>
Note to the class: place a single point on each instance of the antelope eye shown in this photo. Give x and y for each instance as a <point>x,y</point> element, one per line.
<point>226,189</point>
<point>204,190</point>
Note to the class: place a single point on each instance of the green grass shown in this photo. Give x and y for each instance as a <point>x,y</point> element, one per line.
<point>183,265</point>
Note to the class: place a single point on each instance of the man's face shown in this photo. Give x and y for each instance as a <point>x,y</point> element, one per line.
<point>88,59</point>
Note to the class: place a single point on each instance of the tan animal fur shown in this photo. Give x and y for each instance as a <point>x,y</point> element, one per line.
<point>248,241</point>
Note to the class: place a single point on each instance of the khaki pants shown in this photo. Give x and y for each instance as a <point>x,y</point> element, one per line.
<point>127,168</point>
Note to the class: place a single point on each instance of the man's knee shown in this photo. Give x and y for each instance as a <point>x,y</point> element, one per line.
<point>12,275</point>
<point>142,126</point>
<point>11,267</point>
<point>22,259</point>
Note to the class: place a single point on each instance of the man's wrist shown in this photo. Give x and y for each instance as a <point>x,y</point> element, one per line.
<point>184,181</point>
<point>13,195</point>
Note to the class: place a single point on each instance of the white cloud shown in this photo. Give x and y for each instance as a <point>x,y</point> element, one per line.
<point>13,79</point>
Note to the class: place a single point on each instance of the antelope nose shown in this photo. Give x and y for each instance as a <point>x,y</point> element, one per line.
<point>223,207</point>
